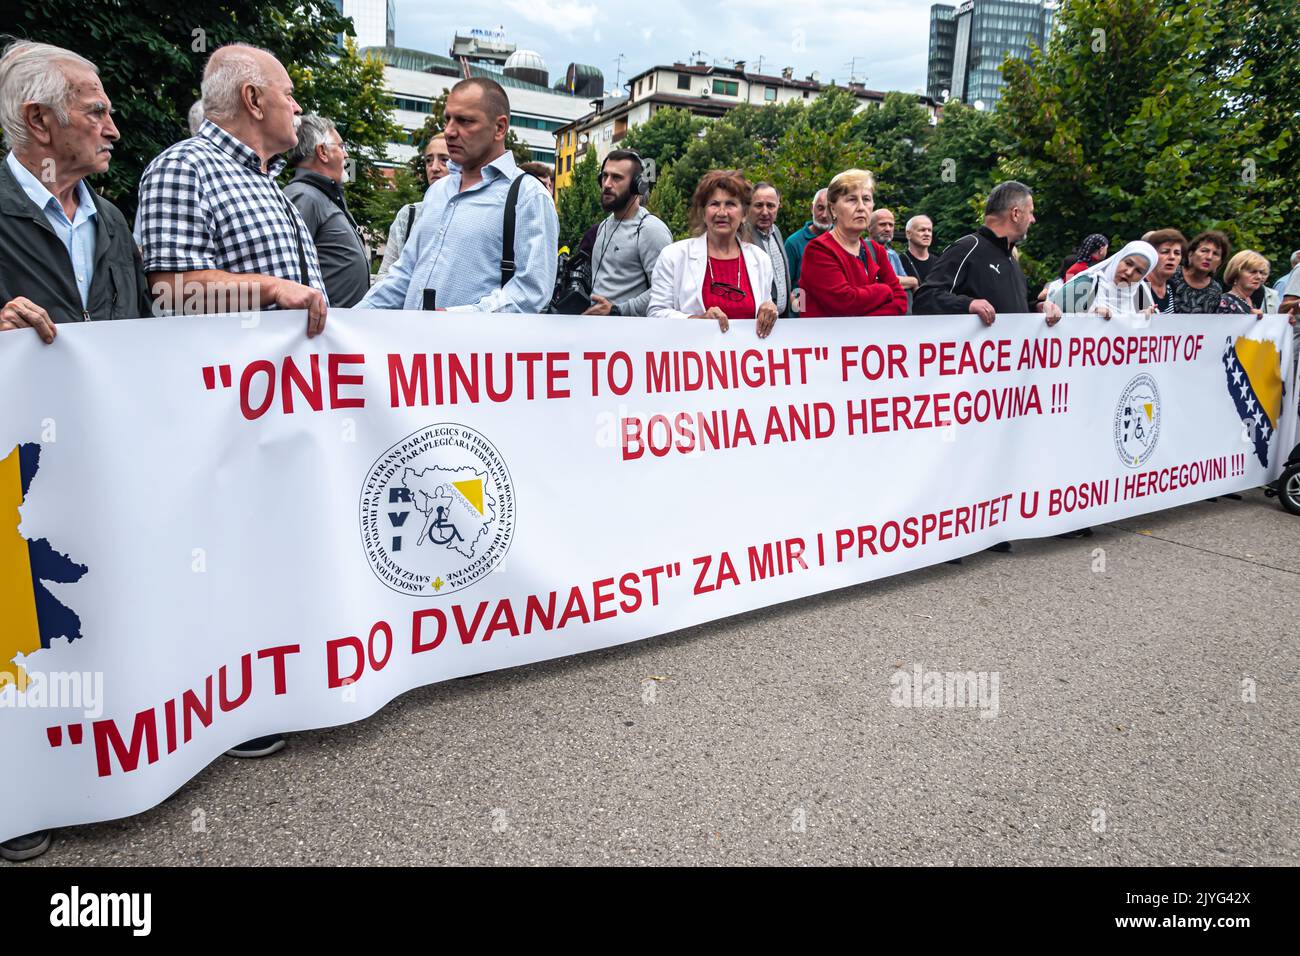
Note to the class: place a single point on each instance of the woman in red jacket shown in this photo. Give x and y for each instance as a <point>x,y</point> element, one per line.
<point>841,274</point>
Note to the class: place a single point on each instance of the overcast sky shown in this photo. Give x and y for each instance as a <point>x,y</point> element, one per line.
<point>889,38</point>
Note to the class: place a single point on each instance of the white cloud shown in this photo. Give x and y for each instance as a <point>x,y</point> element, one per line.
<point>563,16</point>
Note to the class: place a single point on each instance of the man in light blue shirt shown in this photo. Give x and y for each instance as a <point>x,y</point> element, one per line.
<point>457,244</point>
<point>66,254</point>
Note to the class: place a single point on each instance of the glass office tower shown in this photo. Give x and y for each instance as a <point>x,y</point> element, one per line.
<point>969,42</point>
<point>943,36</point>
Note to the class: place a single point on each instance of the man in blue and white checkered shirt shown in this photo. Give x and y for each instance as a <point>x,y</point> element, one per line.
<point>212,218</point>
<point>213,221</point>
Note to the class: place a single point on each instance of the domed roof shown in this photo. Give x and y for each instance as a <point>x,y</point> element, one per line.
<point>525,60</point>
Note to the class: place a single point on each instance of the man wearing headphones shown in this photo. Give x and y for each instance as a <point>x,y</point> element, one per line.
<point>628,243</point>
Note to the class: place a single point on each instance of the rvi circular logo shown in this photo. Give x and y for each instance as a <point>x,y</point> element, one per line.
<point>437,511</point>
<point>1137,421</point>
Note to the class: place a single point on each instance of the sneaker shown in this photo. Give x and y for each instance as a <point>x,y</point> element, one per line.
<point>1003,548</point>
<point>26,847</point>
<point>1077,533</point>
<point>258,747</point>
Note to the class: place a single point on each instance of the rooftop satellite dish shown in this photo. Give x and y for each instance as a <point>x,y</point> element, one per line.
<point>816,76</point>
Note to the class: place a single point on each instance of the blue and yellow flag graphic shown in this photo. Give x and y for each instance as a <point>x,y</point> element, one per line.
<point>1254,370</point>
<point>30,616</point>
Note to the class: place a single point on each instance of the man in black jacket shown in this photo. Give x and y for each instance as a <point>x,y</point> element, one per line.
<point>978,273</point>
<point>66,254</point>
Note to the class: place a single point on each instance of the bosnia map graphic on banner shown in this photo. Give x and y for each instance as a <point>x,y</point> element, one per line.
<point>212,528</point>
<point>32,615</point>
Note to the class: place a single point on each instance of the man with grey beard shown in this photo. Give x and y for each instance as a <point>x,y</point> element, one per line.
<point>795,242</point>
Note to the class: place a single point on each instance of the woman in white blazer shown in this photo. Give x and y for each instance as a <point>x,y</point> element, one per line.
<point>716,275</point>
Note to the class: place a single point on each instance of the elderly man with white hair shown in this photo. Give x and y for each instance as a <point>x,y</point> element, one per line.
<point>213,221</point>
<point>66,253</point>
<point>796,242</point>
<point>916,257</point>
<point>195,118</point>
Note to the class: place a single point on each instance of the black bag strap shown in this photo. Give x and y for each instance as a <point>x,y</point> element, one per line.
<point>410,219</point>
<point>508,232</point>
<point>870,252</point>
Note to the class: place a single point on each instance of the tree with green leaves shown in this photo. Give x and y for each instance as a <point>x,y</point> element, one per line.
<point>806,160</point>
<point>957,172</point>
<point>151,54</point>
<point>898,132</point>
<point>578,205</point>
<point>1121,127</point>
<point>1260,36</point>
<point>667,202</point>
<point>664,137</point>
<point>721,146</point>
<point>381,206</point>
<point>766,125</point>
<point>832,108</point>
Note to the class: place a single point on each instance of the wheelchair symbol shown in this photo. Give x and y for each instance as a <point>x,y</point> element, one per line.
<point>445,527</point>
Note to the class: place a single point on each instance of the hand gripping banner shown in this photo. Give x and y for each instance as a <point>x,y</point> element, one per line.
<point>213,528</point>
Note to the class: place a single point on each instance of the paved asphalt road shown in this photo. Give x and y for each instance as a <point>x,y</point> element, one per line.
<point>1121,735</point>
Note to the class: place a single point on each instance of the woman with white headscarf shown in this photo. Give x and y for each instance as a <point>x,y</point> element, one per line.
<point>1115,286</point>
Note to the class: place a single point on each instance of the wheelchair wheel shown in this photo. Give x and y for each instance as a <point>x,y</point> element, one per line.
<point>1288,489</point>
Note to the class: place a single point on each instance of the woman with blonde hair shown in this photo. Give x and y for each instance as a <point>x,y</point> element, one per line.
<point>716,274</point>
<point>1247,271</point>
<point>842,274</point>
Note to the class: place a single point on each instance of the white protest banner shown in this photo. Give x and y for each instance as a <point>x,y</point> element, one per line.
<point>213,528</point>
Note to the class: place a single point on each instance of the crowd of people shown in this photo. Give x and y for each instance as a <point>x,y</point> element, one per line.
<point>215,233</point>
